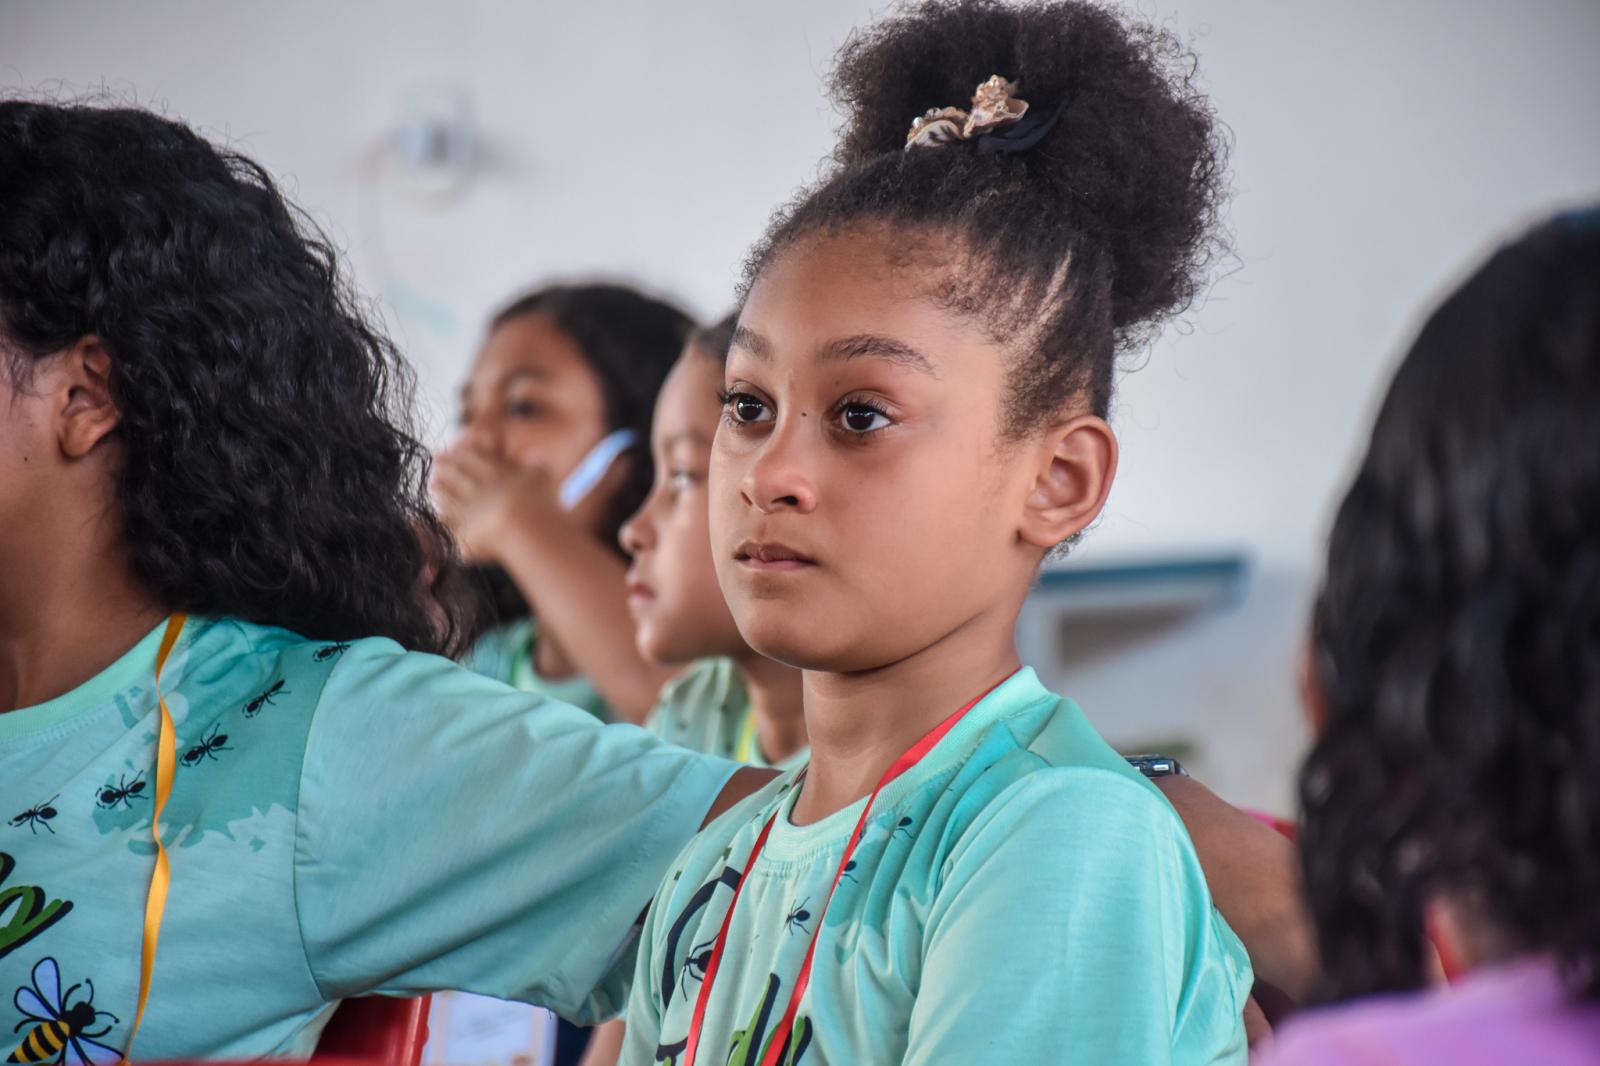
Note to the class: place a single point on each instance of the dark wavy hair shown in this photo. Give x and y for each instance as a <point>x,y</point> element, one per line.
<point>1456,639</point>
<point>1092,238</point>
<point>715,340</point>
<point>271,471</point>
<point>630,341</point>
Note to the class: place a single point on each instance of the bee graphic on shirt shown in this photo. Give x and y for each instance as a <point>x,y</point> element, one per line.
<point>849,872</point>
<point>322,655</point>
<point>903,826</point>
<point>253,708</point>
<point>123,792</point>
<point>59,1030</point>
<point>37,815</point>
<point>209,745</point>
<point>798,917</point>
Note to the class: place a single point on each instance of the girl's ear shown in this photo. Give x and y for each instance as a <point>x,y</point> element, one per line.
<point>85,409</point>
<point>1077,461</point>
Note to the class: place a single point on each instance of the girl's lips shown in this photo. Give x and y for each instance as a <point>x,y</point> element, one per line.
<point>639,595</point>
<point>771,556</point>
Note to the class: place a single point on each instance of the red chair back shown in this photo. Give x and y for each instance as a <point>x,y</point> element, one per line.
<point>378,1029</point>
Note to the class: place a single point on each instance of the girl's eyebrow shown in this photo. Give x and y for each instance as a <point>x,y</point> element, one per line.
<point>688,436</point>
<point>510,377</point>
<point>872,346</point>
<point>518,373</point>
<point>860,346</point>
<point>752,342</point>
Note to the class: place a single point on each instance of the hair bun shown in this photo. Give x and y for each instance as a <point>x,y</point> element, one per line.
<point>1133,158</point>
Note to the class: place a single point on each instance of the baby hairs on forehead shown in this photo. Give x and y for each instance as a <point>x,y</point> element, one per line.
<point>1069,253</point>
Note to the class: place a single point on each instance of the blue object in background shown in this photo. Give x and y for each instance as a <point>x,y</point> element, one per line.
<point>1168,585</point>
<point>592,468</point>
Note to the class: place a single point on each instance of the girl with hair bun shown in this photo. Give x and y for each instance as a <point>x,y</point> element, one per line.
<point>913,420</point>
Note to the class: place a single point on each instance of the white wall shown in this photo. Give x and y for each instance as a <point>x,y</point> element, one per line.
<point>1379,147</point>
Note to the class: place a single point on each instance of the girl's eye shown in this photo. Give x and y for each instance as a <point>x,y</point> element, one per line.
<point>746,408</point>
<point>862,418</point>
<point>523,409</point>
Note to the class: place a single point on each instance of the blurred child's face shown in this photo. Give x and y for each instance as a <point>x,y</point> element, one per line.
<point>864,505</point>
<point>532,398</point>
<point>672,584</point>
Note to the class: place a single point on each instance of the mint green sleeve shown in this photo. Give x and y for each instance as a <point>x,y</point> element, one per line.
<point>491,654</point>
<point>1077,895</point>
<point>644,1005</point>
<point>453,832</point>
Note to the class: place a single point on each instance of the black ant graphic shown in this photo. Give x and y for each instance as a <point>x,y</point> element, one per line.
<point>322,655</point>
<point>799,916</point>
<point>903,826</point>
<point>695,966</point>
<point>849,871</point>
<point>123,792</point>
<point>209,745</point>
<point>37,815</point>
<point>253,708</point>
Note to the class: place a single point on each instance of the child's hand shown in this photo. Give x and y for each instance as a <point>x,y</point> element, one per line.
<point>482,497</point>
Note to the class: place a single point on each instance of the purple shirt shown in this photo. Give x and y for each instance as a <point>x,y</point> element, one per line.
<point>1512,1013</point>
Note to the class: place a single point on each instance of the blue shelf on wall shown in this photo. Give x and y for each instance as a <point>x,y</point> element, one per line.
<point>1168,584</point>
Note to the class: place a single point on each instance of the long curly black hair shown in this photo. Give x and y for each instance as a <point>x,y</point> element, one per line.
<point>630,341</point>
<point>271,470</point>
<point>1456,639</point>
<point>1071,252</point>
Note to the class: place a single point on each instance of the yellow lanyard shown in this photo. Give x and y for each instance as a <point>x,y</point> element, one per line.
<point>156,903</point>
<point>747,737</point>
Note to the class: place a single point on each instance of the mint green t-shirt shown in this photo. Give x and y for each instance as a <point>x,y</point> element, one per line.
<point>707,708</point>
<point>345,819</point>
<point>1021,895</point>
<point>505,653</point>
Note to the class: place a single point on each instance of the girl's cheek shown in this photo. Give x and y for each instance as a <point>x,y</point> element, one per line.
<point>526,456</point>
<point>532,450</point>
<point>675,556</point>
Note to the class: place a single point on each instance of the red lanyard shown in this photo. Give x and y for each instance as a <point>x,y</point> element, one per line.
<point>779,1041</point>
